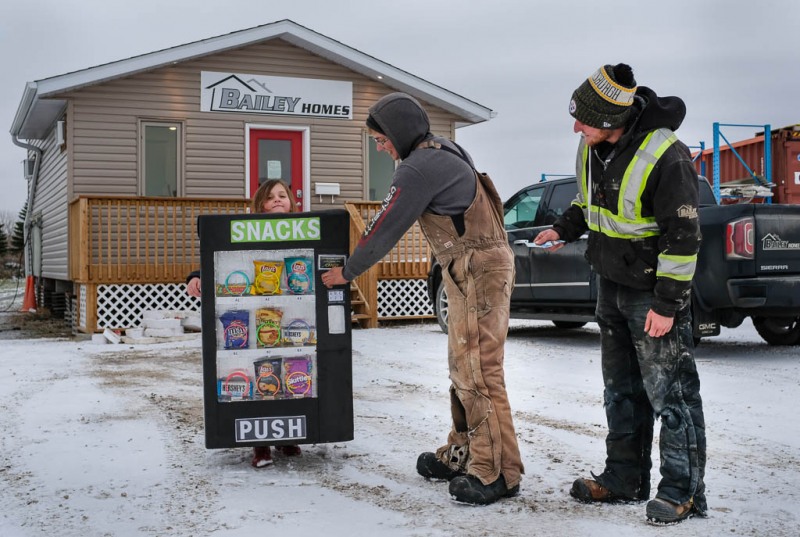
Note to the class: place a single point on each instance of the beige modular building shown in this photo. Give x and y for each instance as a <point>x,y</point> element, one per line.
<point>123,157</point>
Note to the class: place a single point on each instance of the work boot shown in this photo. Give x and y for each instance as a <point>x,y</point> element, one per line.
<point>663,512</point>
<point>430,467</point>
<point>469,489</point>
<point>290,451</point>
<point>261,457</point>
<point>589,490</point>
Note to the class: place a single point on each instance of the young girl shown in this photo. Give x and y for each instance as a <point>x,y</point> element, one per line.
<point>273,196</point>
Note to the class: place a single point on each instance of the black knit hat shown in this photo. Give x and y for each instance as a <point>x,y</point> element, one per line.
<point>605,99</point>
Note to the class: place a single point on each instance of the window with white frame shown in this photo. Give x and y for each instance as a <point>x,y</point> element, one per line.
<point>161,158</point>
<point>380,169</point>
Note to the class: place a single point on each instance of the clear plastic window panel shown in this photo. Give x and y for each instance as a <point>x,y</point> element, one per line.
<point>265,324</point>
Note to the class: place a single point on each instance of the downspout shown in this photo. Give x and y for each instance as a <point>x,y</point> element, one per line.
<point>31,193</point>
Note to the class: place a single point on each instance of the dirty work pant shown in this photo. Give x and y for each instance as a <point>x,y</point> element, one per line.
<point>478,286</point>
<point>643,377</point>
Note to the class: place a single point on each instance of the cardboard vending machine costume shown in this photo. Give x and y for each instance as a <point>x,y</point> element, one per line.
<point>277,346</point>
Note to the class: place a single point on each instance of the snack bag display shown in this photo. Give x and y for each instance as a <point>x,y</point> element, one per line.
<point>268,327</point>
<point>267,380</point>
<point>268,277</point>
<point>297,376</point>
<point>300,275</point>
<point>235,328</point>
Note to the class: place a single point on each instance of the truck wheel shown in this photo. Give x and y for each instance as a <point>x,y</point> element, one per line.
<point>441,306</point>
<point>778,330</point>
<point>567,325</point>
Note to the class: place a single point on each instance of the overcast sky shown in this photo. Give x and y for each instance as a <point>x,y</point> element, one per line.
<point>732,61</point>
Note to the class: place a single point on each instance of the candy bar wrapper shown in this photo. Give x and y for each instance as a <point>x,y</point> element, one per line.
<point>297,377</point>
<point>298,333</point>
<point>236,386</point>
<point>300,275</point>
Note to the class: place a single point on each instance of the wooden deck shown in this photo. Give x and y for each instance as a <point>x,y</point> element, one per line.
<point>124,240</point>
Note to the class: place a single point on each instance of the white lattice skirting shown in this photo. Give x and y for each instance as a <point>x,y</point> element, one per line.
<point>82,306</point>
<point>121,305</point>
<point>403,298</point>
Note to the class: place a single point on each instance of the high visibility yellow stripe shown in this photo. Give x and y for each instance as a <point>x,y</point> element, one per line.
<point>627,222</point>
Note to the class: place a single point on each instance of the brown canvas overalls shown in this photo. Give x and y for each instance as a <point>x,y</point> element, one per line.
<point>478,274</point>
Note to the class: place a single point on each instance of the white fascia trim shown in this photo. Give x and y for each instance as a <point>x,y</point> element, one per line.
<point>28,96</point>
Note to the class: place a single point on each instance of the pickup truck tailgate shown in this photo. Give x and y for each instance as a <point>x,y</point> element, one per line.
<point>777,239</point>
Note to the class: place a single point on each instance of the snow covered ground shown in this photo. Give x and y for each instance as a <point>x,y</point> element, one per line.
<point>107,440</point>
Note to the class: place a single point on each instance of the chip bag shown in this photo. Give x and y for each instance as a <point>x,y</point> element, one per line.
<point>268,277</point>
<point>300,275</point>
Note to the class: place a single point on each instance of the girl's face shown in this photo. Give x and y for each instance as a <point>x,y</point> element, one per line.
<point>277,201</point>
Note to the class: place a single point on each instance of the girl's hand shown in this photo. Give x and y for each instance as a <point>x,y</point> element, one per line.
<point>193,287</point>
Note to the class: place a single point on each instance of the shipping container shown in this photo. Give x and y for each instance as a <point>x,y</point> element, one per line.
<point>785,154</point>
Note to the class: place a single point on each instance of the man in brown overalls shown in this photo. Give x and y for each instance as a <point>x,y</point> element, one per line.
<point>461,215</point>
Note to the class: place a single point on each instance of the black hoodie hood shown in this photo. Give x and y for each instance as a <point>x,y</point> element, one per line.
<point>651,112</point>
<point>657,112</point>
<point>403,120</point>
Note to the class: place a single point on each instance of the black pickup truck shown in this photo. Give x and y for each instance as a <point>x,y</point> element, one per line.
<point>748,266</point>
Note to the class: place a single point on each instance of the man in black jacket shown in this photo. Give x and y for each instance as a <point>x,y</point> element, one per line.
<point>637,199</point>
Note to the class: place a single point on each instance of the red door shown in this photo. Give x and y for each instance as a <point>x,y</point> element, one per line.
<point>277,155</point>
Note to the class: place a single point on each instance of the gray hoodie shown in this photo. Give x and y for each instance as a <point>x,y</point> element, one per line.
<point>427,179</point>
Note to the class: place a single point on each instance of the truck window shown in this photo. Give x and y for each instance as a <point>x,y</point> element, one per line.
<point>706,192</point>
<point>560,200</point>
<point>520,211</point>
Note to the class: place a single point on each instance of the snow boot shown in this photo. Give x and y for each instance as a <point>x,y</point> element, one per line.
<point>261,457</point>
<point>469,489</point>
<point>430,467</point>
<point>290,451</point>
<point>664,512</point>
<point>589,490</point>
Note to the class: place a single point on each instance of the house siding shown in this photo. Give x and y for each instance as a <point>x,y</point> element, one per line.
<point>105,125</point>
<point>50,200</point>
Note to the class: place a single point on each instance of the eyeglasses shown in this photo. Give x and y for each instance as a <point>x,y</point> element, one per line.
<point>380,141</point>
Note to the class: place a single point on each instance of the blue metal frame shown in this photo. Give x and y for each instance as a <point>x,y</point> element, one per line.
<point>701,147</point>
<point>767,155</point>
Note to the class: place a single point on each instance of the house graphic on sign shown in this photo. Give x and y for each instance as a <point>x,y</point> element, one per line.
<point>237,79</point>
<point>224,83</point>
<point>770,241</point>
<point>256,94</point>
<point>260,84</point>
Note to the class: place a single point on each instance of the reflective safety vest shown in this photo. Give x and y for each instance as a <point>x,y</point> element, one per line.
<point>627,221</point>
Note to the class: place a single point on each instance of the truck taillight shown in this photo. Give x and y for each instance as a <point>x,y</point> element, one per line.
<point>739,239</point>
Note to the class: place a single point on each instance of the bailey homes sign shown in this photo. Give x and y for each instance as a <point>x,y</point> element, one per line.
<point>258,94</point>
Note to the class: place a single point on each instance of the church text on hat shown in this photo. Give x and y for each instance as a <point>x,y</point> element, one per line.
<point>609,90</point>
